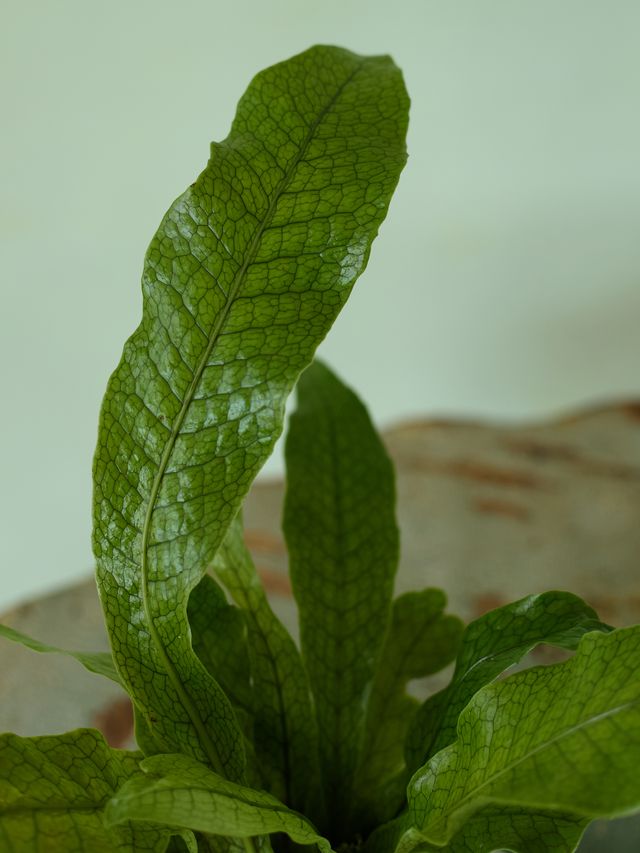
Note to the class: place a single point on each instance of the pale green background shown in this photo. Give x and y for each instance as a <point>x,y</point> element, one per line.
<point>505,283</point>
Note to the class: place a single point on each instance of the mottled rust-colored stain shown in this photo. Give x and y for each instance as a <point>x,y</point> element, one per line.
<point>632,410</point>
<point>274,582</point>
<point>508,509</point>
<point>542,452</point>
<point>485,602</point>
<point>478,472</point>
<point>116,722</point>
<point>264,542</point>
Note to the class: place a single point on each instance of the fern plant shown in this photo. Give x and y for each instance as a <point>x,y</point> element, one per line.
<point>247,740</point>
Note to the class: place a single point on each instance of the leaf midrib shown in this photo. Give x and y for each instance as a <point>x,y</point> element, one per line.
<point>185,698</point>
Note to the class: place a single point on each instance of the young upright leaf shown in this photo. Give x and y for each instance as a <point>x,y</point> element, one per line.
<point>53,792</point>
<point>285,734</point>
<point>563,738</point>
<point>184,793</point>
<point>421,641</point>
<point>101,663</point>
<point>490,645</point>
<point>340,526</point>
<point>243,279</point>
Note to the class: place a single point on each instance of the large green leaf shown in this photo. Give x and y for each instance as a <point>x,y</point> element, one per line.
<point>490,645</point>
<point>340,527</point>
<point>421,641</point>
<point>243,279</point>
<point>564,738</point>
<point>185,793</point>
<point>101,663</point>
<point>53,792</point>
<point>490,829</point>
<point>285,734</point>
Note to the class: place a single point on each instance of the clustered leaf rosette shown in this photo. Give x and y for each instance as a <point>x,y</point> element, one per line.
<point>248,740</point>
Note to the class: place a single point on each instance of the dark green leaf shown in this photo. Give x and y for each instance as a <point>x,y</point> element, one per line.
<point>243,279</point>
<point>421,641</point>
<point>187,794</point>
<point>53,792</point>
<point>490,645</point>
<point>285,734</point>
<point>99,662</point>
<point>564,738</point>
<point>339,522</point>
<point>219,637</point>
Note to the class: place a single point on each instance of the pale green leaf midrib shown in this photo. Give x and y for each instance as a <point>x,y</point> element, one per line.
<point>583,724</point>
<point>185,698</point>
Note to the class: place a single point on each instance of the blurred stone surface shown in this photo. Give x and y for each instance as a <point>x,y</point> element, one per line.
<point>489,513</point>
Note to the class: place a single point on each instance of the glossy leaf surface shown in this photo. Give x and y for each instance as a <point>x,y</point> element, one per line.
<point>340,527</point>
<point>185,793</point>
<point>562,738</point>
<point>490,645</point>
<point>53,792</point>
<point>243,279</point>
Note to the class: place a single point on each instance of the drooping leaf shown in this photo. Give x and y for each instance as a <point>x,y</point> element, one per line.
<point>285,734</point>
<point>185,793</point>
<point>564,738</point>
<point>490,645</point>
<point>53,792</point>
<point>243,279</point>
<point>421,641</point>
<point>340,527</point>
<point>101,663</point>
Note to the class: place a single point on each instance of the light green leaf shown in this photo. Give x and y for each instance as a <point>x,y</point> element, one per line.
<point>421,641</point>
<point>53,792</point>
<point>187,794</point>
<point>99,662</point>
<point>285,734</point>
<point>563,738</point>
<point>495,828</point>
<point>490,645</point>
<point>340,527</point>
<point>243,279</point>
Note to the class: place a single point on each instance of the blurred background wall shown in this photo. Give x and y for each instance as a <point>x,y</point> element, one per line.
<point>505,283</point>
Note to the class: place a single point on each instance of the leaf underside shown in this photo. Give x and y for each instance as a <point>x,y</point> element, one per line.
<point>243,279</point>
